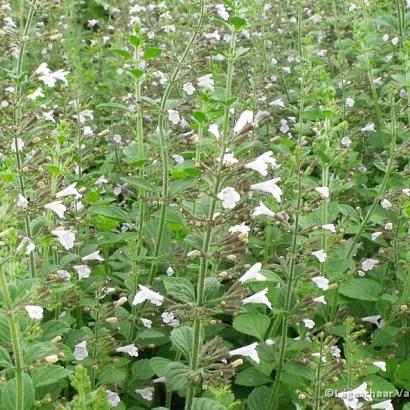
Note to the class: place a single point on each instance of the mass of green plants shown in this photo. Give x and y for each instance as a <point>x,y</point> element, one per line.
<point>204,205</point>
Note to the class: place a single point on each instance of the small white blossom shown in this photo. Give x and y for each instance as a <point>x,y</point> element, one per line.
<point>321,282</point>
<point>169,319</point>
<point>241,229</point>
<point>351,398</point>
<point>147,393</point>
<point>277,103</point>
<point>35,312</point>
<point>335,351</point>
<point>101,180</point>
<point>37,93</point>
<point>258,298</point>
<point>262,162</point>
<point>244,122</point>
<point>80,351</point>
<point>147,294</point>
<point>131,350</point>
<point>65,236</point>
<point>381,365</point>
<point>113,398</point>
<point>188,88</point>
<point>369,128</point>
<point>179,159</point>
<point>146,323</point>
<point>309,324</point>
<point>28,244</point>
<point>369,264</point>
<point>320,299</point>
<point>174,117</point>
<point>206,81</point>
<point>247,351</point>
<point>320,255</point>
<point>269,187</point>
<point>170,271</point>
<point>262,209</point>
<point>383,405</point>
<point>17,144</point>
<point>375,320</point>
<point>329,227</point>
<point>406,191</point>
<point>323,191</point>
<point>68,191</point>
<point>94,256</point>
<point>63,274</point>
<point>213,129</point>
<point>229,197</point>
<point>21,202</point>
<point>193,254</point>
<point>83,271</point>
<point>388,226</point>
<point>346,141</point>
<point>349,102</point>
<point>375,235</point>
<point>57,207</point>
<point>386,204</point>
<point>253,273</point>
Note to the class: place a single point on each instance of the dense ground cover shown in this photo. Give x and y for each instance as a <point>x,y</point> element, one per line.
<point>203,205</point>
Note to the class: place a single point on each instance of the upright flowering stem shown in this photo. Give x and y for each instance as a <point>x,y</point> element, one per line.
<point>165,147</point>
<point>18,120</point>
<point>316,397</point>
<point>15,339</point>
<point>376,200</point>
<point>273,403</point>
<point>203,267</point>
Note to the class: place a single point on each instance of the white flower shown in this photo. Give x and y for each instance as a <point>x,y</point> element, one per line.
<point>229,159</point>
<point>346,141</point>
<point>65,237</point>
<point>83,271</point>
<point>193,254</point>
<point>269,187</point>
<point>48,115</point>
<point>388,226</point>
<point>63,274</point>
<point>50,78</point>
<point>395,41</point>
<point>242,229</point>
<point>147,294</point>
<point>259,297</point>
<point>383,405</point>
<point>349,102</point>
<point>131,350</point>
<point>376,320</point>
<point>222,12</point>
<point>375,235</point>
<point>335,351</point>
<point>213,129</point>
<point>206,81</point>
<point>35,312</point>
<point>174,117</point>
<point>310,324</point>
<point>188,88</point>
<point>37,93</point>
<point>170,271</point>
<point>20,144</point>
<point>88,131</point>
<point>323,191</point>
<point>329,227</point>
<point>406,191</point>
<point>386,204</point>
<point>113,398</point>
<point>179,159</point>
<point>244,122</point>
<point>269,342</point>
<point>28,244</point>
<point>229,197</point>
<point>320,255</point>
<point>253,273</point>
<point>146,322</point>
<point>261,163</point>
<point>321,282</point>
<point>147,393</point>
<point>320,299</point>
<point>262,209</point>
<point>101,180</point>
<point>92,22</point>
<point>351,398</point>
<point>70,190</point>
<point>21,202</point>
<point>277,103</point>
<point>247,351</point>
<point>369,264</point>
<point>381,365</point>
<point>58,207</point>
<point>169,319</point>
<point>368,128</point>
<point>80,351</point>
<point>94,256</point>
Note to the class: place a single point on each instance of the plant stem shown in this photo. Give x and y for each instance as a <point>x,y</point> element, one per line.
<point>18,119</point>
<point>376,201</point>
<point>165,149</point>
<point>15,339</point>
<point>200,295</point>
<point>316,402</point>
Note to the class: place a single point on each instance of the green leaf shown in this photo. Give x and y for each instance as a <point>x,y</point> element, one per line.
<point>182,339</point>
<point>361,289</point>
<point>206,404</point>
<point>252,324</point>
<point>5,358</point>
<point>251,377</point>
<point>110,211</point>
<point>137,73</point>
<point>176,376</point>
<point>139,183</point>
<point>134,40</point>
<point>122,53</point>
<point>159,365</point>
<point>237,22</point>
<point>9,399</point>
<point>151,52</point>
<point>49,374</point>
<point>257,400</point>
<point>402,374</point>
<point>117,106</point>
<point>142,370</point>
